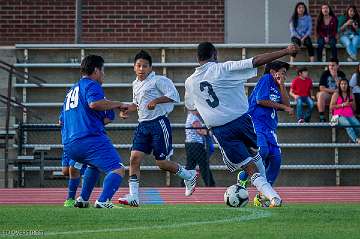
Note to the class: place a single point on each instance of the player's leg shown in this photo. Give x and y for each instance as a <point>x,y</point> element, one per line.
<point>132,198</point>
<point>274,163</point>
<point>161,136</point>
<point>74,181</point>
<point>91,175</point>
<point>141,146</point>
<point>105,158</point>
<point>231,140</point>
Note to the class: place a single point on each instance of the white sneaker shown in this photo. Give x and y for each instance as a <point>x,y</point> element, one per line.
<point>81,203</point>
<point>107,204</point>
<point>275,202</point>
<point>190,184</point>
<point>130,199</point>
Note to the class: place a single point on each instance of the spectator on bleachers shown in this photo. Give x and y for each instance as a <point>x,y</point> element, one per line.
<point>355,87</point>
<point>300,29</point>
<point>326,30</point>
<point>197,146</point>
<point>300,90</point>
<point>349,31</point>
<point>342,105</point>
<point>328,85</point>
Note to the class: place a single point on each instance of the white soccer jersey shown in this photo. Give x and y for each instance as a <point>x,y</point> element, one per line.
<point>216,91</point>
<point>154,86</point>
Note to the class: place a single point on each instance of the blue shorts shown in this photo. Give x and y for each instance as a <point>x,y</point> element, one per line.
<point>267,141</point>
<point>96,151</point>
<point>154,136</point>
<point>67,162</point>
<point>237,141</point>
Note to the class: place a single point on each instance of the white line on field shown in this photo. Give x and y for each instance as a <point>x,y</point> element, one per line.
<point>254,214</point>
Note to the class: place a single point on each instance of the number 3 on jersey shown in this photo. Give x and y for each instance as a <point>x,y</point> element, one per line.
<point>215,100</point>
<point>72,98</point>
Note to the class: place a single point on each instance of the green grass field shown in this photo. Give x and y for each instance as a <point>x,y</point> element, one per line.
<point>183,221</point>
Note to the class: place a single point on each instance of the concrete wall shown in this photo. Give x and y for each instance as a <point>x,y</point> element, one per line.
<point>260,21</point>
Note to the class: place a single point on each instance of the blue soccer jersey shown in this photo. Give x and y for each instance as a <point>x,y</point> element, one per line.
<point>78,120</point>
<point>266,89</point>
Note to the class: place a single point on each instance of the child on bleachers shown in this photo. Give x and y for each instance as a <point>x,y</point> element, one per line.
<point>349,31</point>
<point>342,105</point>
<point>300,90</point>
<point>300,29</point>
<point>326,30</point>
<point>355,87</point>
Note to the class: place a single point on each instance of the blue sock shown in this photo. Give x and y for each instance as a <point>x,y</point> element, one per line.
<point>90,178</point>
<point>112,183</point>
<point>72,187</point>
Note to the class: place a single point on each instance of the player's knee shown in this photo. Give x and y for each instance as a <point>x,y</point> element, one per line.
<point>135,159</point>
<point>65,171</point>
<point>74,172</point>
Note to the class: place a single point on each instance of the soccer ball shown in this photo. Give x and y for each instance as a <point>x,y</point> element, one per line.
<point>236,196</point>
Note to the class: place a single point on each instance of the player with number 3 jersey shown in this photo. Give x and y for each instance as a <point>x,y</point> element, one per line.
<point>216,91</point>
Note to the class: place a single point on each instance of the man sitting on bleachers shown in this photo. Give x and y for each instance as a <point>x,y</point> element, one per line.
<point>327,86</point>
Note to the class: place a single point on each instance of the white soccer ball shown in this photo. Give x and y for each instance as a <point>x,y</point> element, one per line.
<point>236,196</point>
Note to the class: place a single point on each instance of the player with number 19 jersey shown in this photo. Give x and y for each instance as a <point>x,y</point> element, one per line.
<point>79,121</point>
<point>220,98</point>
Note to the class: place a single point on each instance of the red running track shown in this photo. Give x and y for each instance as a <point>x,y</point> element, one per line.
<point>176,195</point>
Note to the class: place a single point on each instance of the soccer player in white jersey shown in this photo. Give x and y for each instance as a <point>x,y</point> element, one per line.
<point>217,91</point>
<point>153,97</point>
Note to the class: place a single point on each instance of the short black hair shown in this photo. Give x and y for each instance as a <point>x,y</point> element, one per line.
<point>143,55</point>
<point>276,66</point>
<point>205,51</point>
<point>301,70</point>
<point>89,63</point>
<point>334,59</point>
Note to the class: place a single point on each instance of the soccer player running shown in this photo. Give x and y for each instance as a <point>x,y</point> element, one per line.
<point>83,133</point>
<point>153,98</point>
<point>216,91</point>
<point>268,96</point>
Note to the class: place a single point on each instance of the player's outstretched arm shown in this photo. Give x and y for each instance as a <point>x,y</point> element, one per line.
<point>104,104</point>
<point>265,58</point>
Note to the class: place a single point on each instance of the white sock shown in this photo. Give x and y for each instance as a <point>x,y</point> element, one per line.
<point>183,173</point>
<point>259,164</point>
<point>134,186</point>
<point>263,186</point>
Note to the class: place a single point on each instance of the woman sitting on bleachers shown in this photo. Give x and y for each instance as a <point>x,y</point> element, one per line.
<point>349,31</point>
<point>355,87</point>
<point>300,29</point>
<point>326,30</point>
<point>342,105</point>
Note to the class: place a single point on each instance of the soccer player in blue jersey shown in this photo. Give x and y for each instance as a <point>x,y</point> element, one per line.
<point>83,133</point>
<point>153,98</point>
<point>216,91</point>
<point>75,170</point>
<point>269,96</point>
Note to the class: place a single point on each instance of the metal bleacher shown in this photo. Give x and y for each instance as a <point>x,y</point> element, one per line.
<point>315,151</point>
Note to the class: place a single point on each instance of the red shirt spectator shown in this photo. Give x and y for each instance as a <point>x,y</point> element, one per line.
<point>301,86</point>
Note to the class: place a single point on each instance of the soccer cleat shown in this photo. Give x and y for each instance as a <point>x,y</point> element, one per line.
<point>130,199</point>
<point>261,201</point>
<point>80,203</point>
<point>275,202</point>
<point>107,204</point>
<point>69,202</point>
<point>190,184</point>
<point>242,179</point>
